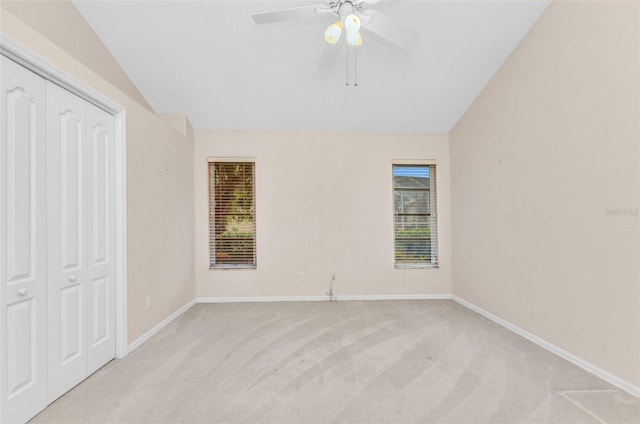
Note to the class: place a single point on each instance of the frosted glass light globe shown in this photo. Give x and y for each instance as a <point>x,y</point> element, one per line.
<point>333,32</point>
<point>352,23</point>
<point>354,39</point>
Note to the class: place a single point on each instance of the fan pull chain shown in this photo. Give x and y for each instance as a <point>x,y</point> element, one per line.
<point>346,61</point>
<point>355,65</point>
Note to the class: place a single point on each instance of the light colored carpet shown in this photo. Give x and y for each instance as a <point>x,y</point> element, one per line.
<point>340,362</point>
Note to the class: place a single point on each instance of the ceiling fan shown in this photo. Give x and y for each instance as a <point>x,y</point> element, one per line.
<point>349,16</point>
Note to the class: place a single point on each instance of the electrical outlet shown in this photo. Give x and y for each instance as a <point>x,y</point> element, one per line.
<point>302,277</point>
<point>147,303</point>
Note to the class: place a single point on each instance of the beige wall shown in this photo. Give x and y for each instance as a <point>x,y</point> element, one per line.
<point>324,204</point>
<point>160,221</point>
<point>160,191</point>
<point>539,161</point>
<point>61,23</point>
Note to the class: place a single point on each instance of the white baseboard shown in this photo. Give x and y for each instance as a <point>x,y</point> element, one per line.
<point>395,297</point>
<point>261,299</point>
<point>146,336</point>
<point>581,363</point>
<point>323,298</point>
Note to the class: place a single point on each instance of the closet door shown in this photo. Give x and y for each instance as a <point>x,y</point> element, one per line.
<point>23,265</point>
<point>67,196</point>
<point>101,238</point>
<point>80,211</point>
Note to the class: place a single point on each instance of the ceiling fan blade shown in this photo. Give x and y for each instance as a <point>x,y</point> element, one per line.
<point>293,13</point>
<point>390,30</point>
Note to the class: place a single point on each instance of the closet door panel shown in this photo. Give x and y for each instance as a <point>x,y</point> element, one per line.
<point>101,229</point>
<point>67,239</point>
<point>23,267</point>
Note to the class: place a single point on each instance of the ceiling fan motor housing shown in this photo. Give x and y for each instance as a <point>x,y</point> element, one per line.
<point>343,8</point>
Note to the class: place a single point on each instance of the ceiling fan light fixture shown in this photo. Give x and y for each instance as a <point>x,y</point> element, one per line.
<point>354,39</point>
<point>352,23</point>
<point>333,32</point>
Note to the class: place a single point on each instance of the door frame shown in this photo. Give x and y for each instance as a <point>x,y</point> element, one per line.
<point>35,63</point>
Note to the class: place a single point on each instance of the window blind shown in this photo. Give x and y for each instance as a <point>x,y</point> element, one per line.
<point>232,218</point>
<point>415,218</point>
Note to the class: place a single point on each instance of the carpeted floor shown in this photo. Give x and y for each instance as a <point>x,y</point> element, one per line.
<point>340,362</point>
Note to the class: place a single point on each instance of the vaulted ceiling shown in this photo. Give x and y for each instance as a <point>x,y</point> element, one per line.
<point>209,60</point>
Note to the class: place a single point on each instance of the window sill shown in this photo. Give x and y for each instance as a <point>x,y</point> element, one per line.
<point>232,267</point>
<point>416,266</point>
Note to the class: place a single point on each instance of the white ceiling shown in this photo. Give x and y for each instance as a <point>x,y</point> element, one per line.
<point>209,61</point>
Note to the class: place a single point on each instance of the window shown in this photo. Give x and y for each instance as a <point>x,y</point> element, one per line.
<point>415,225</point>
<point>232,215</point>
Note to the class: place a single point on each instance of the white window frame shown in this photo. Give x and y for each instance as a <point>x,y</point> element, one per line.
<point>212,265</point>
<point>434,262</point>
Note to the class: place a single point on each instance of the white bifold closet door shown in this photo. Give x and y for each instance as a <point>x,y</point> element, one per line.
<point>79,239</point>
<point>23,227</point>
<point>57,227</point>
